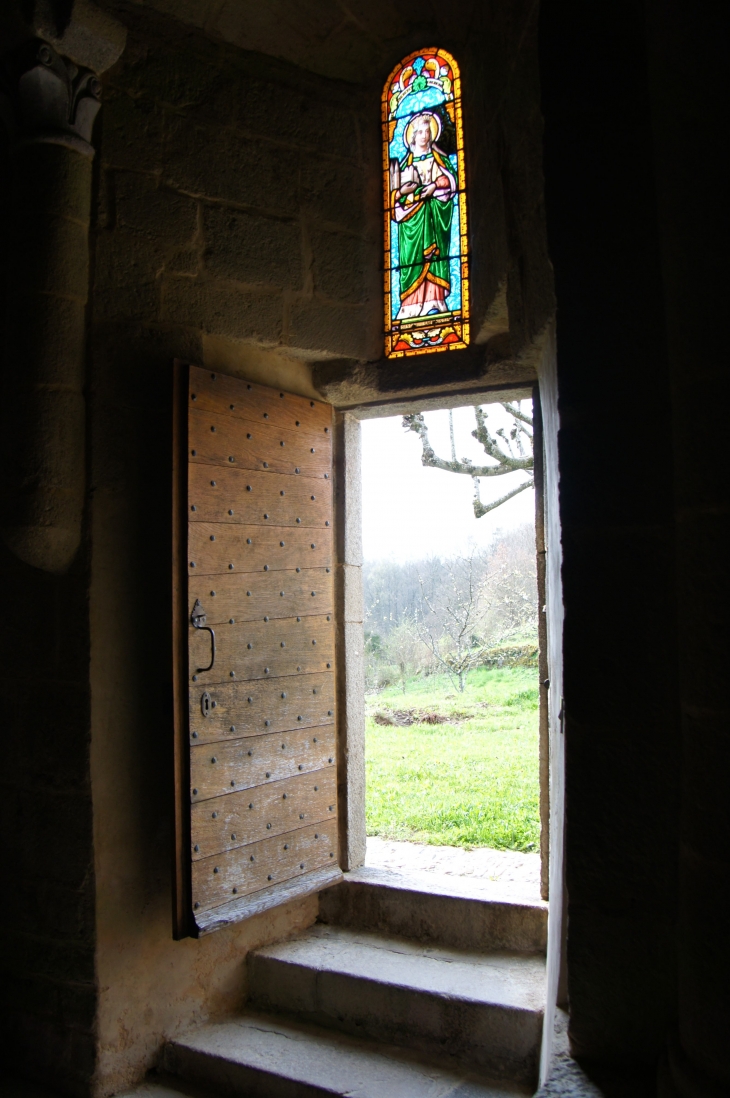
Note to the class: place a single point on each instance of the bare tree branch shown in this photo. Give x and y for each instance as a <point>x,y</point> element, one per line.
<point>506,462</point>
<point>510,449</point>
<point>516,411</point>
<point>504,455</point>
<point>483,508</point>
<point>451,433</point>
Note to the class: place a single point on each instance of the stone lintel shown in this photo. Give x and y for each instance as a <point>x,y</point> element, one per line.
<point>351,385</point>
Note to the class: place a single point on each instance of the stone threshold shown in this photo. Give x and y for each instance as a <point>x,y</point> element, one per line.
<point>456,912</point>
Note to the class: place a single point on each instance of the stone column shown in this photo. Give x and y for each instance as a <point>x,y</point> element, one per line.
<point>53,104</point>
<point>48,99</point>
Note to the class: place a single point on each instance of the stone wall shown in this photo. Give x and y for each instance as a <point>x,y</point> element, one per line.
<point>48,863</point>
<point>640,286</point>
<point>234,200</point>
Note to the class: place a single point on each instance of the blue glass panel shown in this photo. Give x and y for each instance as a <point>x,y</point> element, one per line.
<point>419,100</point>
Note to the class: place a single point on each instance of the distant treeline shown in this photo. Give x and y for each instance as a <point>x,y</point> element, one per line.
<point>451,614</point>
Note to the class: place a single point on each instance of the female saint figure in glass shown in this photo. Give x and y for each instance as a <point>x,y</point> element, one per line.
<point>423,211</point>
<point>426,275</point>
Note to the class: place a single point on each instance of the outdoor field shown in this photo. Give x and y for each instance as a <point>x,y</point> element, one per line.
<point>465,772</point>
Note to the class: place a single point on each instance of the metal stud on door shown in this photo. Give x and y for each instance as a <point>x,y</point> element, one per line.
<point>256,781</point>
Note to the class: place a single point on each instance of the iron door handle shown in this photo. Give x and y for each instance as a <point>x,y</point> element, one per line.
<point>198,619</point>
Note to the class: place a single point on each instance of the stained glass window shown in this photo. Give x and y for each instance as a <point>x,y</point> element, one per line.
<point>426,261</point>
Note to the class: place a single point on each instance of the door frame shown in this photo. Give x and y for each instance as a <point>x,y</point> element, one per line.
<point>349,605</point>
<point>351,658</point>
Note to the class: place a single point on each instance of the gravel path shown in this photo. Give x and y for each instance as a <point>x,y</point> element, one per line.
<point>502,871</point>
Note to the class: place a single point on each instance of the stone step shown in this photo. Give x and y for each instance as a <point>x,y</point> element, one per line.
<point>269,1057</point>
<point>482,1009</point>
<point>455,912</point>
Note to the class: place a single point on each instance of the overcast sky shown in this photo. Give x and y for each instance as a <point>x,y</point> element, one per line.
<point>411,512</point>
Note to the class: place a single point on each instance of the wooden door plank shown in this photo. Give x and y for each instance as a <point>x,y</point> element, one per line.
<point>260,707</point>
<point>251,596</point>
<point>271,861</point>
<point>181,883</point>
<point>255,497</point>
<point>219,440</point>
<point>216,547</point>
<point>243,818</point>
<point>223,769</point>
<point>240,908</point>
<point>214,392</point>
<point>261,649</point>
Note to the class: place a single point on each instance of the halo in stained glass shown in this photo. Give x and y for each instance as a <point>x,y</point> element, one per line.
<point>426,271</point>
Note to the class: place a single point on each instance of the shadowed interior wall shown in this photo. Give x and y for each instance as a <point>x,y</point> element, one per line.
<point>45,792</point>
<point>636,170</point>
<point>622,752</point>
<point>687,71</point>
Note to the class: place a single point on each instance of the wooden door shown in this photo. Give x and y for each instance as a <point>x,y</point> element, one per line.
<point>254,647</point>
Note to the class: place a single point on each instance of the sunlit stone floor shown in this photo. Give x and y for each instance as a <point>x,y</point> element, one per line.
<point>500,872</point>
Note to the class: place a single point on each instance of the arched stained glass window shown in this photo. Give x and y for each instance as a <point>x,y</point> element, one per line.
<point>426,260</point>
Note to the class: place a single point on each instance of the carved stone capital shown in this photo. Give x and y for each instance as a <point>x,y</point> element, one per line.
<point>48,99</point>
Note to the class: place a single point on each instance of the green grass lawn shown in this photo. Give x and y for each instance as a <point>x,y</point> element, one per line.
<point>473,782</point>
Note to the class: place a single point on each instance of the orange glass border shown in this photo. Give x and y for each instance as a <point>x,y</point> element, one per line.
<point>463,222</point>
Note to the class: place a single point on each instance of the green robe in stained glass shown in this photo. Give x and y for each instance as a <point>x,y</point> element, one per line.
<point>424,238</point>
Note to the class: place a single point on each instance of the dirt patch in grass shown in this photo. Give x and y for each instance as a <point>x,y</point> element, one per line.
<point>465,776</point>
<point>404,718</point>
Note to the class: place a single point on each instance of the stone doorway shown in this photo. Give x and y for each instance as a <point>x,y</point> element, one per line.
<point>493,869</point>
